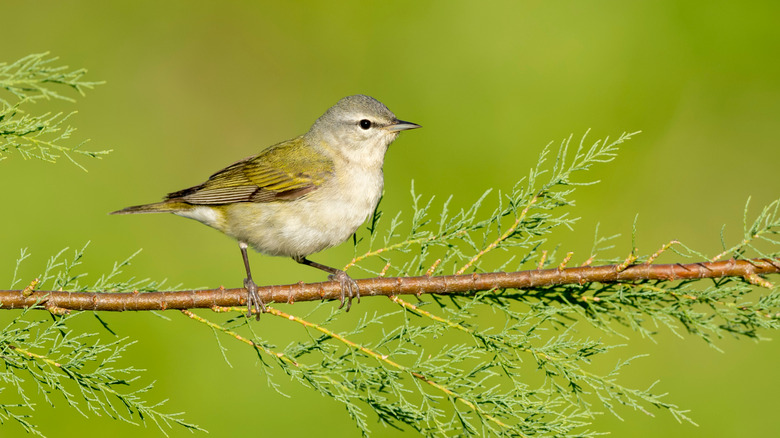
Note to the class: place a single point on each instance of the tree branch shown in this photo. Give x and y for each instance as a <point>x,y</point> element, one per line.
<point>63,301</point>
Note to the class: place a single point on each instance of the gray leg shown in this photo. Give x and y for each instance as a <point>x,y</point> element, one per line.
<point>348,286</point>
<point>253,298</point>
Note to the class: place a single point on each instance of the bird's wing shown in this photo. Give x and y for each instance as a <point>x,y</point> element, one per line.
<point>280,172</point>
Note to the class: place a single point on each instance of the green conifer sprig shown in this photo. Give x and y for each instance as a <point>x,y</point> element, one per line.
<point>45,359</point>
<point>44,136</point>
<point>31,78</point>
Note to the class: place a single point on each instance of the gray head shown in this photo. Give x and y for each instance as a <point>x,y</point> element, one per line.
<point>358,122</point>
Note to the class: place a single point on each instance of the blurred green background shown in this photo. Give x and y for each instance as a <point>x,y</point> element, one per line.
<point>192,86</point>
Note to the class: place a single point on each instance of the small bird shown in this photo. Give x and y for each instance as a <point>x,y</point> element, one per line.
<point>300,196</point>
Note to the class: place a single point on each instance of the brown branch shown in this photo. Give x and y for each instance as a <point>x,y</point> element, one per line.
<point>60,301</point>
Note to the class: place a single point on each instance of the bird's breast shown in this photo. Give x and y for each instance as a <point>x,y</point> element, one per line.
<point>321,219</point>
<point>360,189</point>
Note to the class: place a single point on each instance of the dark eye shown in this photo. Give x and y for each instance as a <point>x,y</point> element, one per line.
<point>365,123</point>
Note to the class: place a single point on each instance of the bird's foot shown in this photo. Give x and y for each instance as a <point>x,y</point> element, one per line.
<point>253,299</point>
<point>349,287</point>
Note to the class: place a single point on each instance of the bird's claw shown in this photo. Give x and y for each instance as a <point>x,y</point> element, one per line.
<point>349,288</point>
<point>253,299</point>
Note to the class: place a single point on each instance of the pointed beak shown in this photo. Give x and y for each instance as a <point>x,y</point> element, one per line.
<point>400,125</point>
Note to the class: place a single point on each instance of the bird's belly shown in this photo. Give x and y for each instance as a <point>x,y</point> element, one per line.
<point>300,227</point>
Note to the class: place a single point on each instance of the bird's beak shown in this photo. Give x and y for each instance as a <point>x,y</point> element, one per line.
<point>400,125</point>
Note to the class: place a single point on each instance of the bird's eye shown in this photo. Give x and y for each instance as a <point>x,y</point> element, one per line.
<point>365,123</point>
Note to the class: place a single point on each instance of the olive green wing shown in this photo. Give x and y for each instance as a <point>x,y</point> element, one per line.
<point>285,171</point>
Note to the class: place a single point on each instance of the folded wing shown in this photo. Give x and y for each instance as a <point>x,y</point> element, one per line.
<point>281,172</point>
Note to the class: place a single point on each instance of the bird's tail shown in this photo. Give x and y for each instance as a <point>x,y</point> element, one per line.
<point>157,207</point>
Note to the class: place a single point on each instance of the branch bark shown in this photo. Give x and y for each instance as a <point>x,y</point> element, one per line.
<point>63,301</point>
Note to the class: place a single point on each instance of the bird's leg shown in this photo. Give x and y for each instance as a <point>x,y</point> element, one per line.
<point>349,286</point>
<point>253,298</point>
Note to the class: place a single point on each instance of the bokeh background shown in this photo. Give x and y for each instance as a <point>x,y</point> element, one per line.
<point>192,86</point>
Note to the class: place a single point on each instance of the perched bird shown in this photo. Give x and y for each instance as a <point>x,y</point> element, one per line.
<point>300,196</point>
